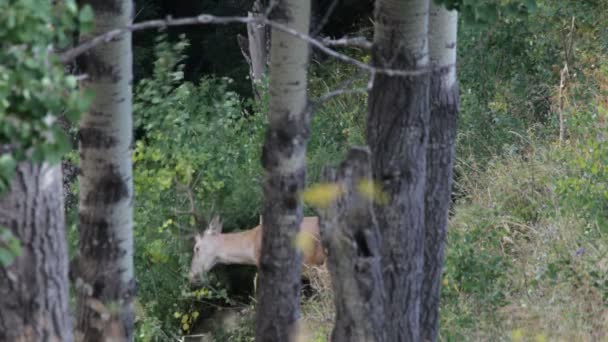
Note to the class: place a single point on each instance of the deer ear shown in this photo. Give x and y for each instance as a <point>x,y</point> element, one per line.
<point>215,226</point>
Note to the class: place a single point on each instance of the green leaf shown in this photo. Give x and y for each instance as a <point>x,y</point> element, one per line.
<point>86,14</point>
<point>10,247</point>
<point>85,18</point>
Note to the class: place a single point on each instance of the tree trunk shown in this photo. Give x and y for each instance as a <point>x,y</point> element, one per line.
<point>350,234</point>
<point>258,49</point>
<point>397,133</point>
<point>34,289</point>
<point>104,265</point>
<point>284,162</point>
<point>440,158</point>
<point>255,49</point>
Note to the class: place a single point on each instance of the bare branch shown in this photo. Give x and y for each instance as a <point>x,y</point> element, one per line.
<point>342,89</point>
<point>203,19</point>
<point>360,42</point>
<point>198,218</point>
<point>325,18</point>
<point>338,92</point>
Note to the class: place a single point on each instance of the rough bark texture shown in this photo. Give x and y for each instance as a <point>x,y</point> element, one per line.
<point>440,158</point>
<point>283,159</point>
<point>103,268</point>
<point>397,133</point>
<point>34,289</point>
<point>350,234</point>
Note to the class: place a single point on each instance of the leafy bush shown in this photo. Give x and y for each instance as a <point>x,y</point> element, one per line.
<point>199,147</point>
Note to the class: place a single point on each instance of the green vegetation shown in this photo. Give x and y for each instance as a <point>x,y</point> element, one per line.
<point>34,89</point>
<point>527,255</point>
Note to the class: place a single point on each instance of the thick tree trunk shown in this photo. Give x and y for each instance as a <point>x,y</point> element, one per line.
<point>351,236</point>
<point>284,160</point>
<point>397,133</point>
<point>104,265</point>
<point>440,158</point>
<point>34,289</point>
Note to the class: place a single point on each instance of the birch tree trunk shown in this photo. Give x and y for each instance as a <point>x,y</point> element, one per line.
<point>397,133</point>
<point>440,159</point>
<point>284,162</point>
<point>104,265</point>
<point>34,288</point>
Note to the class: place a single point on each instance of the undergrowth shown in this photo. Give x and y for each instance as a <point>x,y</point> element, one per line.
<point>527,254</point>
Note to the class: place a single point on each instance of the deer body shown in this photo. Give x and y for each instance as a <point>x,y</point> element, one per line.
<point>213,247</point>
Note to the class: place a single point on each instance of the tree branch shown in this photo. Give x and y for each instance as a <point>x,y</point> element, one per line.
<point>205,19</point>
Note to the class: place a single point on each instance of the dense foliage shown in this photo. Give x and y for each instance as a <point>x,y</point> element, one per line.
<point>200,149</point>
<point>530,213</point>
<point>35,91</point>
<point>528,236</point>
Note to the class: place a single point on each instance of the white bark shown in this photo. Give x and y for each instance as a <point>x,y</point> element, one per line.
<point>283,158</point>
<point>443,29</point>
<point>104,266</point>
<point>440,158</point>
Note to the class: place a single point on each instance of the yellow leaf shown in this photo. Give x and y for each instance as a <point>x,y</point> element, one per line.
<point>305,243</point>
<point>322,194</point>
<point>540,338</point>
<point>185,319</point>
<point>177,315</point>
<point>372,191</point>
<point>445,282</point>
<point>195,314</point>
<point>185,326</point>
<point>517,335</point>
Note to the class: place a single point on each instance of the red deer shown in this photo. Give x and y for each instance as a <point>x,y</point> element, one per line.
<point>213,247</point>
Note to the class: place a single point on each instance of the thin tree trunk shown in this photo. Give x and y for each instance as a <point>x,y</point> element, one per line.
<point>34,289</point>
<point>283,159</point>
<point>440,160</point>
<point>104,265</point>
<point>258,48</point>
<point>255,49</point>
<point>350,234</point>
<point>397,133</point>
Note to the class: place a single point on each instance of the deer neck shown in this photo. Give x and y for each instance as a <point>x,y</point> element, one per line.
<point>239,248</point>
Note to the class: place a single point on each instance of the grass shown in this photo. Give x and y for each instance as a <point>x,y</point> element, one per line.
<point>548,280</point>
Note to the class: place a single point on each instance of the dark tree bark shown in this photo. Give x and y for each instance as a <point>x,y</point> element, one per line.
<point>34,289</point>
<point>397,133</point>
<point>103,268</point>
<point>283,159</point>
<point>440,160</point>
<point>350,235</point>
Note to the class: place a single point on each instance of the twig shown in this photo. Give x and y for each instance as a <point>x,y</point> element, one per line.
<point>346,41</point>
<point>342,89</point>
<point>339,92</point>
<point>192,210</point>
<point>325,19</point>
<point>202,19</point>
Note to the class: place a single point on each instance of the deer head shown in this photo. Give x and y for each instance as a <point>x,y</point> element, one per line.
<point>206,249</point>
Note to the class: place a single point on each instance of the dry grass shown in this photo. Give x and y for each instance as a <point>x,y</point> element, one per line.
<point>318,311</point>
<point>554,285</point>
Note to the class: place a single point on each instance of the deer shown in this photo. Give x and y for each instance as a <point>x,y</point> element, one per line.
<point>213,247</point>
